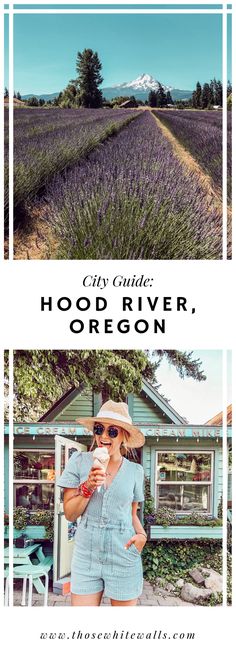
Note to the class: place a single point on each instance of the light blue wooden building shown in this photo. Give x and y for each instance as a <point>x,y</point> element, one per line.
<point>183,462</point>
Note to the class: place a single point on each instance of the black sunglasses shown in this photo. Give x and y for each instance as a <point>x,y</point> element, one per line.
<point>112,431</point>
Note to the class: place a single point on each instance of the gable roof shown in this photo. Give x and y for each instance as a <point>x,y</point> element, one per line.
<point>66,398</point>
<point>161,402</point>
<point>149,390</point>
<point>218,419</point>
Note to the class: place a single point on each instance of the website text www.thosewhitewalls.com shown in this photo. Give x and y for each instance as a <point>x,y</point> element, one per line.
<point>115,634</point>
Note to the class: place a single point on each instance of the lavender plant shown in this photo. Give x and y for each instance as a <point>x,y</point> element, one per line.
<point>201,133</point>
<point>48,141</point>
<point>131,198</point>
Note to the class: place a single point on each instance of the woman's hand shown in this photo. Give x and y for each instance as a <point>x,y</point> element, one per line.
<point>138,540</point>
<point>96,478</point>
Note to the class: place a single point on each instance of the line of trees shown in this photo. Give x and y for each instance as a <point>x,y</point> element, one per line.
<point>16,95</point>
<point>41,377</point>
<point>209,94</point>
<point>33,102</point>
<point>159,98</point>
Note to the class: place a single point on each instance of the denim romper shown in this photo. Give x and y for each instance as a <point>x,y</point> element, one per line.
<point>100,561</point>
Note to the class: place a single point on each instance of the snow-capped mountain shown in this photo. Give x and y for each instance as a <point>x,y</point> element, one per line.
<point>140,88</point>
<point>144,83</point>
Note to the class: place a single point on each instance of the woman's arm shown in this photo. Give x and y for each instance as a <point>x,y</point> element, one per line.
<point>140,538</point>
<point>135,520</point>
<point>75,504</point>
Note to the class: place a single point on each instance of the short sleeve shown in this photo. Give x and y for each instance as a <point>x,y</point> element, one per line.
<point>70,477</point>
<point>138,495</point>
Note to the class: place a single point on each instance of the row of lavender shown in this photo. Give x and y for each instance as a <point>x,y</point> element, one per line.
<point>133,199</point>
<point>201,133</point>
<point>47,142</point>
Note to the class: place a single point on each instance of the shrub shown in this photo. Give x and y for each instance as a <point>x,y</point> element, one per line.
<point>22,518</point>
<point>172,559</point>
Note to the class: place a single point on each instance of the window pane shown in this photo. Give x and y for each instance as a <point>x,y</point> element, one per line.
<point>34,465</point>
<point>184,498</point>
<point>180,466</point>
<point>31,496</point>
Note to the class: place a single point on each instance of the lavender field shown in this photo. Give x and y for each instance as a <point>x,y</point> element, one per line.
<point>132,198</point>
<point>48,141</point>
<point>110,186</point>
<point>201,133</point>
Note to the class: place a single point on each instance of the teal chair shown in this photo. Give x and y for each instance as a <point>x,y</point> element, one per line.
<point>32,572</point>
<point>6,595</point>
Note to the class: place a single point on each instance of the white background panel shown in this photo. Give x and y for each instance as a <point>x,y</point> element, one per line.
<point>203,284</point>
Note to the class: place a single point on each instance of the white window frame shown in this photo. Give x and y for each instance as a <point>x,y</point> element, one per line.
<point>210,483</point>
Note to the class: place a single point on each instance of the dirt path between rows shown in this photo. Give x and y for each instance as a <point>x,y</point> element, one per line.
<point>212,197</point>
<point>38,242</point>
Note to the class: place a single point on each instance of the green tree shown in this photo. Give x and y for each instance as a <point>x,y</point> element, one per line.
<point>198,95</point>
<point>169,99</point>
<point>88,67</point>
<point>18,96</point>
<point>68,98</point>
<point>212,92</point>
<point>33,101</point>
<point>161,97</point>
<point>134,101</point>
<point>229,88</point>
<point>218,93</point>
<point>194,99</point>
<point>206,96</point>
<point>6,93</point>
<point>152,99</point>
<point>41,377</point>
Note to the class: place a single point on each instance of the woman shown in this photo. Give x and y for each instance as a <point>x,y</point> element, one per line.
<point>109,538</point>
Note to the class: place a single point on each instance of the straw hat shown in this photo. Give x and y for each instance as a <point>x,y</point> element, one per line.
<point>116,414</point>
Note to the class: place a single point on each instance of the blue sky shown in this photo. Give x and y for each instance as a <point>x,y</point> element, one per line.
<point>197,401</point>
<point>178,50</point>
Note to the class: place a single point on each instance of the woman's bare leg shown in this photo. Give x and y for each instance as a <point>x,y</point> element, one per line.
<point>123,603</point>
<point>88,599</point>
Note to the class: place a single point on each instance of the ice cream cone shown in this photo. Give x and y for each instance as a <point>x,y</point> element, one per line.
<point>100,460</point>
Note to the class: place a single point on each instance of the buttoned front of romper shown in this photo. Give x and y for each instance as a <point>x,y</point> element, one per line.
<point>100,561</point>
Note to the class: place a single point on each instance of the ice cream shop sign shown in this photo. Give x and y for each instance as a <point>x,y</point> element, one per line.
<point>160,431</point>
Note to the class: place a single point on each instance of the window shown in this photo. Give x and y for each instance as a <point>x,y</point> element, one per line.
<point>184,481</point>
<point>34,477</point>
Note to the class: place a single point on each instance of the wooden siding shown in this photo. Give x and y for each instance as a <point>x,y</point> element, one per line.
<point>147,461</point>
<point>144,411</point>
<point>81,406</point>
<point>185,532</point>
